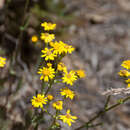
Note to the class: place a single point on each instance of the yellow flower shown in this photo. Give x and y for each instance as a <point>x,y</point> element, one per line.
<point>46,73</point>
<point>48,26</point>
<point>127,81</point>
<point>58,105</point>
<point>39,101</point>
<point>49,64</point>
<point>67,93</point>
<point>2,62</point>
<point>124,73</point>
<point>34,38</point>
<point>126,64</point>
<point>48,54</point>
<point>61,47</point>
<point>81,73</point>
<point>50,97</point>
<point>61,67</point>
<point>58,47</point>
<point>47,37</point>
<point>68,48</point>
<point>69,78</point>
<point>68,118</point>
<point>128,86</point>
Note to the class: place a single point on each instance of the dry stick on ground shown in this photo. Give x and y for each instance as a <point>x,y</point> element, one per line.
<point>103,112</point>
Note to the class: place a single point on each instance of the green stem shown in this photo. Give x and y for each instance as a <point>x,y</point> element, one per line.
<point>43,86</point>
<point>106,104</point>
<point>49,113</point>
<point>48,89</point>
<point>54,121</point>
<point>102,113</point>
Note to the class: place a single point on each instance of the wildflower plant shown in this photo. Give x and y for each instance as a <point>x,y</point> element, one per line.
<point>52,71</point>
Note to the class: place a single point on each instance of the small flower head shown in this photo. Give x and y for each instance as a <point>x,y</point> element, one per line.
<point>126,64</point>
<point>47,37</point>
<point>48,54</point>
<point>2,62</point>
<point>68,118</point>
<point>48,26</point>
<point>57,47</point>
<point>67,93</point>
<point>50,97</point>
<point>80,73</point>
<point>61,67</point>
<point>49,64</point>
<point>58,105</point>
<point>69,77</point>
<point>61,47</point>
<point>34,38</point>
<point>46,73</point>
<point>68,48</point>
<point>39,101</point>
<point>124,73</point>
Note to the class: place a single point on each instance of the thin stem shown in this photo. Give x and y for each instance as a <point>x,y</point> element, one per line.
<point>48,89</point>
<point>43,86</point>
<point>49,113</point>
<point>54,121</point>
<point>107,102</point>
<point>18,47</point>
<point>95,125</point>
<point>103,112</point>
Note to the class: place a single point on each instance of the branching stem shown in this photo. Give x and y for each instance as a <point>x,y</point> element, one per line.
<point>103,112</point>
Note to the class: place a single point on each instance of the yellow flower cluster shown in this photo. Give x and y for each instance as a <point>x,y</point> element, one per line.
<point>52,69</point>
<point>2,62</point>
<point>126,71</point>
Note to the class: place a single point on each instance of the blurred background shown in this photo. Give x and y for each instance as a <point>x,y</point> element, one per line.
<point>100,32</point>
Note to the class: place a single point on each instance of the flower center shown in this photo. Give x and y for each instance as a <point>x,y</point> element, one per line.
<point>46,72</point>
<point>68,116</point>
<point>58,103</point>
<point>49,24</point>
<point>56,47</point>
<point>68,92</point>
<point>38,99</point>
<point>68,76</point>
<point>49,52</point>
<point>124,72</point>
<point>46,34</point>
